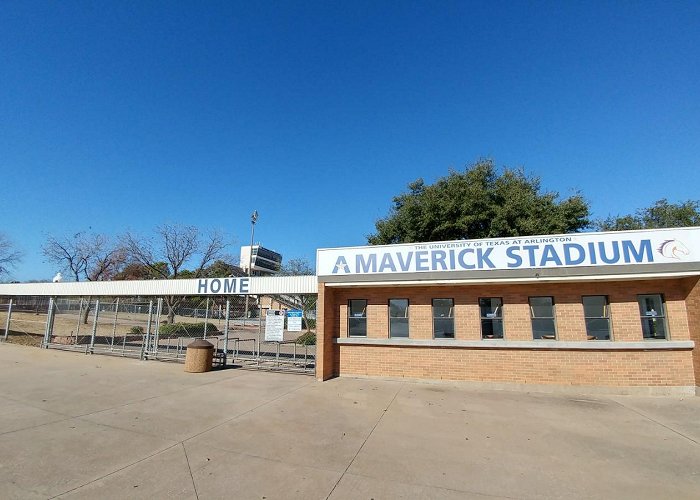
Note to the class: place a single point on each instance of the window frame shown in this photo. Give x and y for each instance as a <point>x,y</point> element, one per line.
<point>608,318</point>
<point>492,319</point>
<point>350,317</point>
<point>553,317</point>
<point>663,317</point>
<point>452,317</point>
<point>407,317</point>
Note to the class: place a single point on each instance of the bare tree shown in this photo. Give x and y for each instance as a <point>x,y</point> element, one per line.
<point>9,255</point>
<point>177,246</point>
<point>88,257</point>
<point>301,267</point>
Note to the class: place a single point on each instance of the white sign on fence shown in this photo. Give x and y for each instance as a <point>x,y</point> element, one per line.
<point>294,320</point>
<point>274,325</point>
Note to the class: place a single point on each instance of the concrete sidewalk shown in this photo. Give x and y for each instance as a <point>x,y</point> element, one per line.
<point>77,426</point>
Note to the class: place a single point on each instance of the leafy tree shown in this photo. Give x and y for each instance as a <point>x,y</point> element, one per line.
<point>136,271</point>
<point>301,267</point>
<point>661,214</point>
<point>223,269</point>
<point>9,255</point>
<point>479,203</point>
<point>176,246</point>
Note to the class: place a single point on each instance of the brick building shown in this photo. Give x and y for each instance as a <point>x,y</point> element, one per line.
<point>617,310</point>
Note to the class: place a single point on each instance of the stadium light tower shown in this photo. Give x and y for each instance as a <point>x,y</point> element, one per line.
<point>253,220</point>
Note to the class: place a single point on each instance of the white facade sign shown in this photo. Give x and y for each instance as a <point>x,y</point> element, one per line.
<point>665,246</point>
<point>274,325</point>
<point>294,320</point>
<point>256,285</point>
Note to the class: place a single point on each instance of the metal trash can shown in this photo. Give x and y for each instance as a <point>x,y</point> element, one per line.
<point>199,356</point>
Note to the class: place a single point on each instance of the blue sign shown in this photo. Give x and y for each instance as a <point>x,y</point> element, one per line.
<point>294,320</point>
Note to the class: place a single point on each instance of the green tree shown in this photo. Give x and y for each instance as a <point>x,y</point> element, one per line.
<point>479,203</point>
<point>223,269</point>
<point>660,214</point>
<point>136,271</point>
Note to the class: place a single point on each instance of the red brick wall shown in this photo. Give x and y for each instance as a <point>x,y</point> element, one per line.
<point>326,330</point>
<point>595,368</point>
<point>693,308</point>
<point>626,324</point>
<point>651,368</point>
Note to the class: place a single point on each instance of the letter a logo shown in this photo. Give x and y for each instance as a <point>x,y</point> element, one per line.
<point>341,265</point>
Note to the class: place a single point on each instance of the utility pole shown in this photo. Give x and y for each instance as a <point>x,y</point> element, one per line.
<point>253,220</point>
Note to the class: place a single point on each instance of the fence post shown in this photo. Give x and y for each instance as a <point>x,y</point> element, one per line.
<point>156,333</point>
<point>114,326</point>
<point>80,319</point>
<point>259,328</point>
<point>144,348</point>
<point>7,322</point>
<point>49,324</point>
<point>228,313</point>
<point>94,324</point>
<point>206,319</point>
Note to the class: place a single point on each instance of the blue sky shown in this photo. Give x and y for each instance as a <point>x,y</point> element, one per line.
<point>120,116</point>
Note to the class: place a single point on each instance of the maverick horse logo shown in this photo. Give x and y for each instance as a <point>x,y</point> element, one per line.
<point>673,249</point>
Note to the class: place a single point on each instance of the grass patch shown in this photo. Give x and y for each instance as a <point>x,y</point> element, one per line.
<point>308,338</point>
<point>189,329</point>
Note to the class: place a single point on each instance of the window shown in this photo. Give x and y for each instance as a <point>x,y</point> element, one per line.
<point>596,311</point>
<point>491,317</point>
<point>652,312</point>
<point>542,314</point>
<point>443,319</point>
<point>357,318</point>
<point>398,317</point>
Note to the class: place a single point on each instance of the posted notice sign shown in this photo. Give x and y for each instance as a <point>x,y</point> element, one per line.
<point>294,320</point>
<point>274,325</point>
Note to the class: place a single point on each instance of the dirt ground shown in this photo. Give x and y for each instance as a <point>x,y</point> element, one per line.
<point>27,328</point>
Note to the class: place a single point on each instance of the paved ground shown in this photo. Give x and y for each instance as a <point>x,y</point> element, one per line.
<point>77,426</point>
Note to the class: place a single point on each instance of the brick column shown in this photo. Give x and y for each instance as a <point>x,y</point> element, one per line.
<point>516,320</point>
<point>467,320</point>
<point>692,304</point>
<point>626,323</point>
<point>326,321</point>
<point>571,324</point>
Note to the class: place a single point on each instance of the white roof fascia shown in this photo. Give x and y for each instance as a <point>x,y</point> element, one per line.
<point>273,285</point>
<point>529,280</point>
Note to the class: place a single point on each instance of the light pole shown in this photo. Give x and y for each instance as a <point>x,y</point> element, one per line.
<point>253,220</point>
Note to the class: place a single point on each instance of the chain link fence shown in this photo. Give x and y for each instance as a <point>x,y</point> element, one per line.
<point>162,327</point>
<point>24,319</point>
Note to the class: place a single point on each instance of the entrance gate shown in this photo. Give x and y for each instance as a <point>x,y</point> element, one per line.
<point>160,328</point>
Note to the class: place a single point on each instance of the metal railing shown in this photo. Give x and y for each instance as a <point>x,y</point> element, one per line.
<point>158,328</point>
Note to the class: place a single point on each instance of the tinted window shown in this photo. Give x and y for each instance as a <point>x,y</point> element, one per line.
<point>491,311</point>
<point>596,311</point>
<point>443,319</point>
<point>398,317</point>
<point>357,318</point>
<point>653,315</point>
<point>542,317</point>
